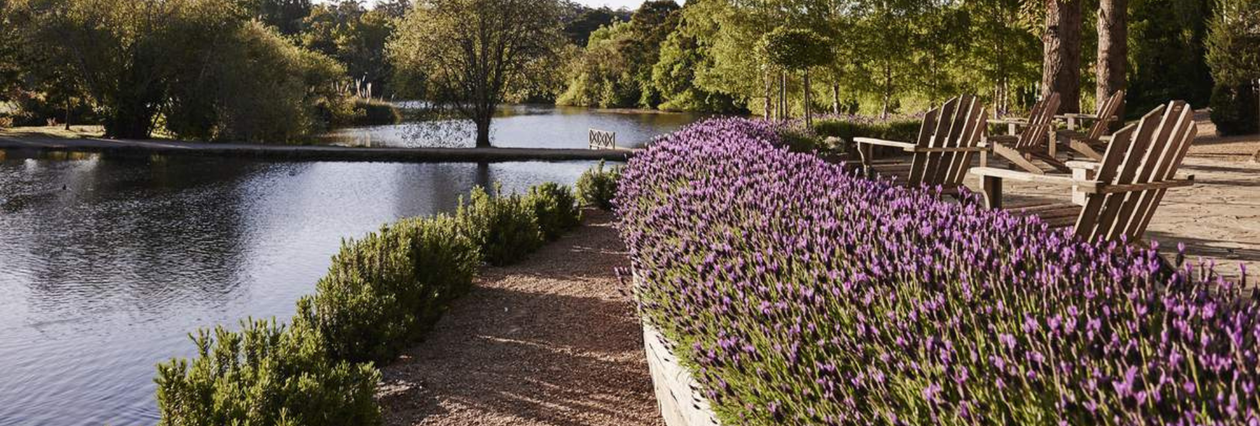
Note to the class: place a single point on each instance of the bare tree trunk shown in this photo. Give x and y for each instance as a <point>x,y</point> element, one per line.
<point>835,99</point>
<point>769,111</point>
<point>483,131</point>
<point>887,91</point>
<point>783,101</point>
<point>67,104</point>
<point>1113,42</point>
<point>1061,69</point>
<point>808,107</point>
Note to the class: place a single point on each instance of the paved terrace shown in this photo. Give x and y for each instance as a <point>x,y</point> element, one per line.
<point>306,152</point>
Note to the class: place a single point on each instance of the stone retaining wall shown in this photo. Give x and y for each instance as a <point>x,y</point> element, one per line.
<point>680,403</point>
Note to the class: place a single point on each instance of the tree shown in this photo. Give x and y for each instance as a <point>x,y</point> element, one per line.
<point>1234,55</point>
<point>470,51</point>
<point>1167,46</point>
<point>285,15</point>
<point>1061,66</point>
<point>798,49</point>
<point>1113,46</point>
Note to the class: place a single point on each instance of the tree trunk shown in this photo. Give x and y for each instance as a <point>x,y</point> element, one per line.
<point>808,116</point>
<point>769,111</point>
<point>835,99</point>
<point>783,101</point>
<point>483,131</point>
<point>67,113</point>
<point>887,91</point>
<point>1061,69</point>
<point>1112,50</point>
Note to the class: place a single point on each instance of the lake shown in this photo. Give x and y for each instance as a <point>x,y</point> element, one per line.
<point>525,126</point>
<point>106,264</point>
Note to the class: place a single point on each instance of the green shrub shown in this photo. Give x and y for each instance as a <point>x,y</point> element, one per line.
<point>1234,110</point>
<point>384,290</point>
<point>849,127</point>
<point>504,228</point>
<point>265,374</point>
<point>556,209</point>
<point>597,187</point>
<point>374,113</point>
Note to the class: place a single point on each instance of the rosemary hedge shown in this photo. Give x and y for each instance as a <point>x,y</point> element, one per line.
<point>597,186</point>
<point>381,293</point>
<point>800,294</point>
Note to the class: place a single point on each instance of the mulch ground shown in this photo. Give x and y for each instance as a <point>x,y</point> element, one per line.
<point>553,340</point>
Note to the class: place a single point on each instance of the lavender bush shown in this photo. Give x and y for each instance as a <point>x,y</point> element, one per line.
<point>800,294</point>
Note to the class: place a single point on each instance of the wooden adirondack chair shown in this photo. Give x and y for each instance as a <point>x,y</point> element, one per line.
<point>1116,197</point>
<point>949,138</point>
<point>1087,144</point>
<point>1031,142</point>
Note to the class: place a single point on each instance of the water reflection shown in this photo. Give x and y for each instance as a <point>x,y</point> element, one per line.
<point>530,126</point>
<point>106,264</point>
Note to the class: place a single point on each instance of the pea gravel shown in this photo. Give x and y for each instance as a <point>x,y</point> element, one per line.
<point>553,340</point>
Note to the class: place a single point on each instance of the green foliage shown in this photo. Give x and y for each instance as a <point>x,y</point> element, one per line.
<point>1166,54</point>
<point>503,227</point>
<point>555,207</point>
<point>1235,110</point>
<point>597,186</point>
<point>469,54</point>
<point>847,128</point>
<point>797,48</point>
<point>266,374</point>
<point>355,37</point>
<point>259,88</point>
<point>383,290</point>
<point>1234,55</point>
<point>674,75</point>
<point>616,69</point>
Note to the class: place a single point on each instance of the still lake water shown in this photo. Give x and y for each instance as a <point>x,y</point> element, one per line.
<point>527,126</point>
<point>106,264</point>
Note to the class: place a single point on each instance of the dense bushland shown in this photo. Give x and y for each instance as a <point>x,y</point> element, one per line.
<point>597,186</point>
<point>798,293</point>
<point>382,292</point>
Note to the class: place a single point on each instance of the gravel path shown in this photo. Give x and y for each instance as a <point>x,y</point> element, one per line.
<point>552,340</point>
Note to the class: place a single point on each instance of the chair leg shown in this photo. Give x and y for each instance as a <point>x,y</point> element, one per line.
<point>991,186</point>
<point>865,151</point>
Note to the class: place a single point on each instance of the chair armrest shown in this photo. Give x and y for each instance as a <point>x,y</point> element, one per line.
<point>1084,185</point>
<point>1015,121</point>
<point>880,142</point>
<point>1087,165</point>
<point>1174,183</point>
<point>1002,138</point>
<point>1077,115</point>
<point>950,149</point>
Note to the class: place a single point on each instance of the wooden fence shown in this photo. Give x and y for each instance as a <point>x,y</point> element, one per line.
<point>601,139</point>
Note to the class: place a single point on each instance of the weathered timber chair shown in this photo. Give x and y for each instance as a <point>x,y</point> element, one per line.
<point>949,138</point>
<point>1034,141</point>
<point>1088,144</point>
<point>1117,196</point>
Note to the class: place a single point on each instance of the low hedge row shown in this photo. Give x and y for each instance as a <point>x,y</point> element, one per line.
<point>380,295</point>
<point>597,186</point>
<point>798,293</point>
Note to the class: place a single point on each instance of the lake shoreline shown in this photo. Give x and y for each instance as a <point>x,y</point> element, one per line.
<point>123,147</point>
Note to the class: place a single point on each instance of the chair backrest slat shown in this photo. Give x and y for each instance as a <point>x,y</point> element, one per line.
<point>1147,152</point>
<point>957,123</point>
<point>1040,121</point>
<point>1105,112</point>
